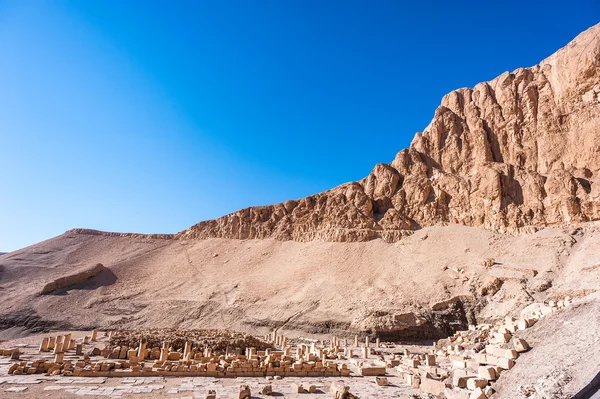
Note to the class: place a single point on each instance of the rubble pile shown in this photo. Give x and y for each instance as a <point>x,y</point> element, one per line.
<point>464,365</point>
<point>219,341</point>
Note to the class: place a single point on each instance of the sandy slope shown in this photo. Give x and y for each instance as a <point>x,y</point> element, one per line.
<point>317,286</point>
<point>565,355</point>
<point>254,285</point>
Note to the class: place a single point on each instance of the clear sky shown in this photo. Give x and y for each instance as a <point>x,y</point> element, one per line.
<point>150,116</point>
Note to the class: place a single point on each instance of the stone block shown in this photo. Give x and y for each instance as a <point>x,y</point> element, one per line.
<point>502,330</point>
<point>522,324</point>
<point>381,381</point>
<point>431,386</point>
<point>502,337</point>
<point>520,345</point>
<point>511,328</point>
<point>486,372</point>
<point>244,392</point>
<point>456,393</point>
<point>499,352</point>
<point>267,390</point>
<point>488,391</point>
<point>474,383</point>
<point>459,381</point>
<point>340,391</point>
<point>479,358</point>
<point>211,394</point>
<point>477,394</point>
<point>372,371</point>
<point>472,364</point>
<point>297,388</point>
<point>312,389</point>
<point>430,360</point>
<point>505,363</point>
<point>491,359</point>
<point>412,380</point>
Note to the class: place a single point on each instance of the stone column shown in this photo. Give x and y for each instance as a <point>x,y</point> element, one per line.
<point>377,342</point>
<point>79,349</point>
<point>356,340</point>
<point>186,350</point>
<point>94,334</point>
<point>51,343</point>
<point>44,345</point>
<point>66,342</point>
<point>367,341</point>
<point>142,350</point>
<point>58,344</point>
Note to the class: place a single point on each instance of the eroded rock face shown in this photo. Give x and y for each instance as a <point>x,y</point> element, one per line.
<point>521,150</point>
<point>72,279</point>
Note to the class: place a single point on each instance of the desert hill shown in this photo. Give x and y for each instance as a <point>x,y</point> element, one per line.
<point>424,286</point>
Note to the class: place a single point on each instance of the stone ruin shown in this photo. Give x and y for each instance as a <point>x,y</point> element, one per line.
<point>463,365</point>
<point>458,367</point>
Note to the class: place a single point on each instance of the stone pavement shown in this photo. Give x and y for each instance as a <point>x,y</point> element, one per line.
<point>192,388</point>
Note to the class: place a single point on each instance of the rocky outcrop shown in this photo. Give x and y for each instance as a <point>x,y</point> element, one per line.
<point>72,279</point>
<point>518,151</point>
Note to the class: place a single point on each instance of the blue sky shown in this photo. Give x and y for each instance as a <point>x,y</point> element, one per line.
<point>149,116</point>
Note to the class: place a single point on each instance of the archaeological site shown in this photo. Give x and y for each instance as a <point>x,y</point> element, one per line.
<point>468,267</point>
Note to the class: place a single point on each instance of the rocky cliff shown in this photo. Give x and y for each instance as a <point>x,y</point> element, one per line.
<point>518,151</point>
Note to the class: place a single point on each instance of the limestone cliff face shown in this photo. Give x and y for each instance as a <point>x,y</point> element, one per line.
<point>521,150</point>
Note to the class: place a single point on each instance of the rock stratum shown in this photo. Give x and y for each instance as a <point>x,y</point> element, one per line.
<point>519,151</point>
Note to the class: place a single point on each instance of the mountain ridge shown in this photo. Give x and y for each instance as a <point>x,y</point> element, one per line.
<point>511,154</point>
<point>504,155</point>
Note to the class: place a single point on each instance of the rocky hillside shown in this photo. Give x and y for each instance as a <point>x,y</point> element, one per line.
<point>516,152</point>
